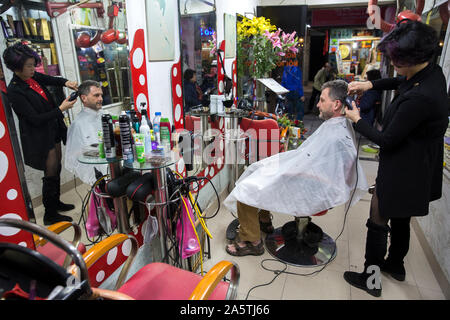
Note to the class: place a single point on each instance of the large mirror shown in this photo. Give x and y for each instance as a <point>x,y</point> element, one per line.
<point>106,63</point>
<point>199,64</point>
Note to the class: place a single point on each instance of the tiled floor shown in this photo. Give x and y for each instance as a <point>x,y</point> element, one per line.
<point>329,283</point>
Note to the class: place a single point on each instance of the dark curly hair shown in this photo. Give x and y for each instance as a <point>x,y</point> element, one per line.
<point>16,56</point>
<point>409,44</point>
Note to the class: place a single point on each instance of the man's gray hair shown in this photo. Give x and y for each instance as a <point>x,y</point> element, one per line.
<point>85,86</point>
<point>338,89</point>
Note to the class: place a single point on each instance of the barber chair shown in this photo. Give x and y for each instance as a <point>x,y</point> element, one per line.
<point>262,145</point>
<point>20,267</point>
<point>54,253</point>
<point>301,243</point>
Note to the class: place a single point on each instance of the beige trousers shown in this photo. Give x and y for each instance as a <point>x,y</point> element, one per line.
<point>249,221</point>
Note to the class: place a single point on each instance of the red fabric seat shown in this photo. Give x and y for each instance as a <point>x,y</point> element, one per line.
<point>160,281</point>
<point>56,254</point>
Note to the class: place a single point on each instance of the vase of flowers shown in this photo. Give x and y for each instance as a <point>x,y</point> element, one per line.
<point>260,46</point>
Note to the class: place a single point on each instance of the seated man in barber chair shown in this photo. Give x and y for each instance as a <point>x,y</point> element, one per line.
<point>83,132</point>
<point>318,175</point>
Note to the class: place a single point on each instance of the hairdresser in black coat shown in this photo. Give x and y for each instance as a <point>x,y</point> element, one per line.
<point>41,123</point>
<point>411,147</point>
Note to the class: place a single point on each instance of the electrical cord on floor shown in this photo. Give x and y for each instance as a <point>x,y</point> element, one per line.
<point>279,272</point>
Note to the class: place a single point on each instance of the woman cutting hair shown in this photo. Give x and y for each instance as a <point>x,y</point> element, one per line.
<point>411,149</point>
<point>41,123</point>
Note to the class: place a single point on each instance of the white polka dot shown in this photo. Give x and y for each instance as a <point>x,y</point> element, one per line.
<point>211,172</point>
<point>3,166</point>
<point>11,194</point>
<point>178,90</point>
<point>221,145</point>
<point>181,121</point>
<point>142,79</point>
<point>126,247</point>
<point>219,163</point>
<point>177,112</point>
<point>221,123</point>
<point>2,130</point>
<point>138,58</point>
<point>112,254</point>
<point>234,78</point>
<point>234,91</point>
<point>8,231</point>
<point>175,71</point>
<point>206,171</point>
<point>23,244</point>
<point>141,98</point>
<point>221,86</point>
<point>100,276</point>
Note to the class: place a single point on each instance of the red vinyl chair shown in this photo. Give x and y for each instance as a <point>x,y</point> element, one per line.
<point>155,281</point>
<point>264,138</point>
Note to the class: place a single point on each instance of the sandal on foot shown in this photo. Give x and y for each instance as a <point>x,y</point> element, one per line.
<point>266,227</point>
<point>248,249</point>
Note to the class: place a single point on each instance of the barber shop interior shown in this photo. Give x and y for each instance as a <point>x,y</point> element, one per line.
<point>225,150</point>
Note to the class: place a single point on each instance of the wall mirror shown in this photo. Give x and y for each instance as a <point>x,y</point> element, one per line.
<point>198,63</point>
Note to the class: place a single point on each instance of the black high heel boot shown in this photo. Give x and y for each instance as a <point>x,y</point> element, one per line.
<point>399,247</point>
<point>62,206</point>
<point>376,243</point>
<point>50,186</point>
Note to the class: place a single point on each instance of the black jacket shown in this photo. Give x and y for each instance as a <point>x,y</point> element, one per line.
<point>41,122</point>
<point>190,96</point>
<point>411,143</point>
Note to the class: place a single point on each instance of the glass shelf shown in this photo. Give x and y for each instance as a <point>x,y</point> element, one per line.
<point>86,159</point>
<point>168,160</point>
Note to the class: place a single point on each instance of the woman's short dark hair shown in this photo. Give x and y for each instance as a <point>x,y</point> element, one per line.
<point>410,44</point>
<point>373,74</point>
<point>16,56</point>
<point>188,74</point>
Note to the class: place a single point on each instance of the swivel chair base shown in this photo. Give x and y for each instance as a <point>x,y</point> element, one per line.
<point>296,252</point>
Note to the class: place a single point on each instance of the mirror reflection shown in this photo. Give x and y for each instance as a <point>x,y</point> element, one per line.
<point>105,63</point>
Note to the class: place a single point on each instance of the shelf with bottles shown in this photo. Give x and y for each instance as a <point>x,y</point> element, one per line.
<point>36,33</point>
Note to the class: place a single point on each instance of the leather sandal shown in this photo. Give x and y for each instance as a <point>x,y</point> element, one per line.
<point>247,250</point>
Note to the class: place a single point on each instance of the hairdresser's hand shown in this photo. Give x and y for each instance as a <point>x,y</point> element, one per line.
<point>358,87</point>
<point>353,114</point>
<point>72,85</point>
<point>302,98</point>
<point>66,104</point>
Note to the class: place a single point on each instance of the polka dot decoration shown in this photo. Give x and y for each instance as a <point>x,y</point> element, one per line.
<point>139,71</point>
<point>219,155</point>
<point>220,74</point>
<point>177,95</point>
<point>108,263</point>
<point>11,196</point>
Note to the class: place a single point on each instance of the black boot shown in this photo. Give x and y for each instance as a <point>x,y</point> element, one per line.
<point>376,243</point>
<point>400,235</point>
<point>62,206</point>
<point>50,201</point>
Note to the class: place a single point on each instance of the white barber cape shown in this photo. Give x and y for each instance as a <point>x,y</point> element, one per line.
<point>319,175</point>
<point>81,134</point>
